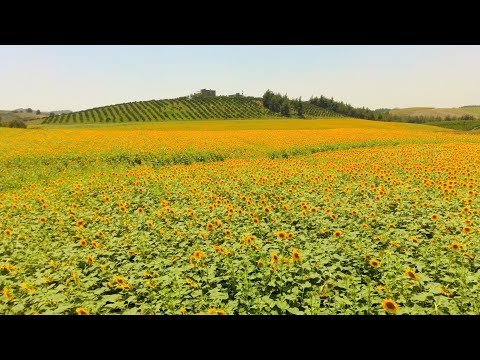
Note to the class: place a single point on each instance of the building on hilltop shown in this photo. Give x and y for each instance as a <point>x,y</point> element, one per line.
<point>236,95</point>
<point>205,92</point>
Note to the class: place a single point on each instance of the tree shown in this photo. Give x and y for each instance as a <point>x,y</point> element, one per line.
<point>37,112</point>
<point>51,113</point>
<point>29,110</point>
<point>267,99</point>
<point>299,107</point>
<point>285,106</point>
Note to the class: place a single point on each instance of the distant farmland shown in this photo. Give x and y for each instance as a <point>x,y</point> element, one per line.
<point>440,112</point>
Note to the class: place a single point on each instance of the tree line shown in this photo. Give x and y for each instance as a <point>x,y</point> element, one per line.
<point>282,104</point>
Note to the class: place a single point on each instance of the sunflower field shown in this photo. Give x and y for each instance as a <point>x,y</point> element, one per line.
<point>279,217</point>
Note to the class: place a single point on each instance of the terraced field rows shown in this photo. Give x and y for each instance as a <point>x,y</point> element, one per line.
<point>195,108</point>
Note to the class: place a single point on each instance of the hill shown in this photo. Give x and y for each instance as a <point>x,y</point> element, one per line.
<point>7,116</point>
<point>184,108</point>
<point>438,112</point>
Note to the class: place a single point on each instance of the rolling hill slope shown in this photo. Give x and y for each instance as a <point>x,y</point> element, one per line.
<point>440,112</point>
<point>184,108</point>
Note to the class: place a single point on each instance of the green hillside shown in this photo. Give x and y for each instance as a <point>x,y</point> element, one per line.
<point>184,108</point>
<point>438,112</point>
<point>7,116</point>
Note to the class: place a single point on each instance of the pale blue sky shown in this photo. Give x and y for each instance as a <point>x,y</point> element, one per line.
<point>76,77</point>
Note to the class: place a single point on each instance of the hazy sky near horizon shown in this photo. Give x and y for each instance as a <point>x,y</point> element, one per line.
<point>77,77</point>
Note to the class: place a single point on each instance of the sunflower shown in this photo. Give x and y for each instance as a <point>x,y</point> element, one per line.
<point>83,242</point>
<point>140,210</point>
<point>314,209</point>
<point>6,294</point>
<point>191,283</point>
<point>390,306</point>
<point>27,288</point>
<point>96,244</point>
<point>281,235</point>
<point>266,210</point>
<point>210,227</point>
<point>212,311</point>
<point>446,292</point>
<point>199,254</point>
<point>290,235</point>
<point>119,280</point>
<point>228,232</point>
<point>43,219</point>
<point>337,233</point>
<point>100,233</point>
<point>467,229</point>
<point>90,259</point>
<point>380,288</point>
<point>275,257</point>
<point>435,216</point>
<point>411,274</point>
<point>295,255</point>
<point>374,263</point>
<point>354,212</point>
<point>183,310</point>
<point>273,266</point>
<point>255,220</point>
<point>150,285</point>
<point>469,256</point>
<point>415,240</point>
<point>81,311</point>
<point>455,246</point>
<point>80,222</point>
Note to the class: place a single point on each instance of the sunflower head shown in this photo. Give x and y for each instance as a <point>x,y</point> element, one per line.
<point>374,263</point>
<point>390,306</point>
<point>282,235</point>
<point>296,255</point>
<point>89,259</point>
<point>411,274</point>
<point>455,246</point>
<point>81,311</point>
<point>210,227</point>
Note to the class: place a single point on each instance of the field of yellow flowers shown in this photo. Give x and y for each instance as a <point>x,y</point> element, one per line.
<point>273,217</point>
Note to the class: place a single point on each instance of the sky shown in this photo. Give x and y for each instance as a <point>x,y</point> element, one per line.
<point>78,77</point>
